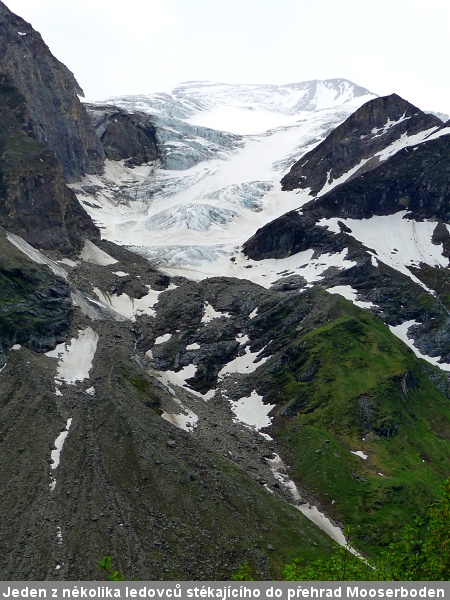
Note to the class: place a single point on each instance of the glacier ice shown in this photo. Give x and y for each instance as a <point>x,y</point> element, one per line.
<point>214,185</point>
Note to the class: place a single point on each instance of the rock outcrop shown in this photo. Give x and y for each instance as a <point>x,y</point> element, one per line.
<point>35,203</point>
<point>415,179</point>
<point>35,305</point>
<point>50,91</point>
<point>125,136</point>
<point>358,142</point>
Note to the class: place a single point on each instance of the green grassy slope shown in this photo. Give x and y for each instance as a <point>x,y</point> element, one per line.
<point>349,385</point>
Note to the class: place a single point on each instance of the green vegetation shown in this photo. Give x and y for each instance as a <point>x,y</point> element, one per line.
<point>421,554</point>
<point>106,565</point>
<point>350,385</point>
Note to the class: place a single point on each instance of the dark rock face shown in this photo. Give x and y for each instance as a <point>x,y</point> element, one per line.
<point>289,234</point>
<point>373,127</point>
<point>35,203</point>
<point>415,179</point>
<point>55,114</point>
<point>35,305</point>
<point>125,135</point>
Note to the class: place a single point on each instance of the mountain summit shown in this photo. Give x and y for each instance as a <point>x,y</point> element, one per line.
<point>370,135</point>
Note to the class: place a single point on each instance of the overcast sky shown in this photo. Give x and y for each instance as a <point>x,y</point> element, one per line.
<point>141,46</point>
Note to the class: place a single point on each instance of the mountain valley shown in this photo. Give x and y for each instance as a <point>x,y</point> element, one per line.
<point>224,322</point>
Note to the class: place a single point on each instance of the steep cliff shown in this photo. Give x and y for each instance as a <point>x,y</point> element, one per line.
<point>35,305</point>
<point>35,203</point>
<point>56,115</point>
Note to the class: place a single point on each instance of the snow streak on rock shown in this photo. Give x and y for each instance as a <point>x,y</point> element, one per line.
<point>397,241</point>
<point>35,255</point>
<point>311,512</point>
<point>75,359</point>
<point>401,331</point>
<point>56,452</point>
<point>127,306</point>
<point>348,292</point>
<point>243,364</point>
<point>209,313</point>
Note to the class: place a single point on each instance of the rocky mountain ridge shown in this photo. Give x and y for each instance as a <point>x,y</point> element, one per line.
<point>364,140</point>
<point>45,140</point>
<point>59,120</point>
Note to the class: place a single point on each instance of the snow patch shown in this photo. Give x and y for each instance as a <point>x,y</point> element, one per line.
<point>359,453</point>
<point>56,452</point>
<point>91,253</point>
<point>35,255</point>
<point>194,346</point>
<point>75,358</point>
<point>178,377</point>
<point>351,294</point>
<point>243,364</point>
<point>59,537</point>
<point>252,411</point>
<point>379,131</point>
<point>332,183</point>
<point>127,306</point>
<point>405,141</point>
<point>401,331</point>
<point>161,339</point>
<point>209,313</point>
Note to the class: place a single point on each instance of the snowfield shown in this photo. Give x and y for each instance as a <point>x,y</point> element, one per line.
<point>396,241</point>
<point>182,216</point>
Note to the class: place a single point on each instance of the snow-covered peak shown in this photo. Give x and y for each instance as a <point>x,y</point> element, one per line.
<point>290,98</point>
<point>211,189</point>
<point>247,108</point>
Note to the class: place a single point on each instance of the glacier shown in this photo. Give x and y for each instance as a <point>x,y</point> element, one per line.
<point>224,149</point>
